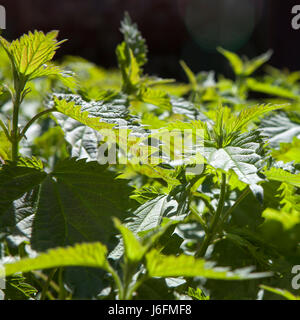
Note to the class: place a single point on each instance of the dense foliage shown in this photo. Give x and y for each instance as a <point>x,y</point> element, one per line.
<point>217,220</point>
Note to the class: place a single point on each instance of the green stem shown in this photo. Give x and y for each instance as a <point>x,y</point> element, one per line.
<point>17,100</point>
<point>236,204</point>
<point>46,286</point>
<point>117,281</point>
<point>133,288</point>
<point>62,290</point>
<point>209,237</point>
<point>37,116</point>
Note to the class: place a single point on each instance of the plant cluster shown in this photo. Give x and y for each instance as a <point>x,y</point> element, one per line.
<point>75,227</point>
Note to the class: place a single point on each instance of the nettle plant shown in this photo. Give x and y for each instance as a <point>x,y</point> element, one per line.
<point>75,223</point>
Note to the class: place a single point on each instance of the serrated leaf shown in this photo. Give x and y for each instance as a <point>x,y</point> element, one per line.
<point>243,156</point>
<point>85,255</point>
<point>31,54</point>
<point>280,128</point>
<point>77,203</point>
<point>150,215</point>
<point>186,108</point>
<point>98,115</point>
<point>197,294</point>
<point>271,89</point>
<point>281,175</point>
<point>159,265</point>
<point>134,39</point>
<point>287,219</point>
<point>83,140</point>
<point>288,151</point>
<point>249,114</point>
<point>156,97</point>
<point>15,181</point>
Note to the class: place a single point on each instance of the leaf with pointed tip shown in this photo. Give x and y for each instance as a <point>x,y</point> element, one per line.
<point>15,181</point>
<point>83,140</point>
<point>85,255</point>
<point>284,293</point>
<point>246,67</point>
<point>77,203</point>
<point>271,89</point>
<point>281,175</point>
<point>234,59</point>
<point>156,97</point>
<point>134,40</point>
<point>31,54</point>
<point>186,108</point>
<point>280,128</point>
<point>150,215</point>
<point>255,63</point>
<point>242,155</point>
<point>159,265</point>
<point>134,250</point>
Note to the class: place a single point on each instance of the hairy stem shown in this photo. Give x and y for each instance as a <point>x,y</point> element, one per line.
<point>209,237</point>
<point>17,100</point>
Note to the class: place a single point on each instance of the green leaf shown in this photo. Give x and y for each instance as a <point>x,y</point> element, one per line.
<point>85,255</point>
<point>129,68</point>
<point>5,147</point>
<point>134,40</point>
<point>197,294</point>
<point>242,155</point>
<point>98,115</point>
<point>156,97</point>
<point>271,89</point>
<point>188,266</point>
<point>17,288</point>
<point>255,63</point>
<point>288,151</point>
<point>246,67</point>
<point>83,140</point>
<point>150,215</point>
<point>31,54</point>
<point>190,74</point>
<point>134,250</point>
<point>284,293</point>
<point>234,59</point>
<point>186,108</point>
<point>281,175</point>
<point>16,221</point>
<point>15,181</point>
<point>287,219</point>
<point>280,128</point>
<point>77,203</point>
<point>249,114</point>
